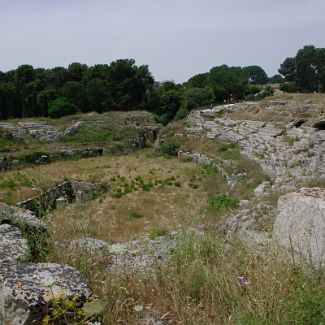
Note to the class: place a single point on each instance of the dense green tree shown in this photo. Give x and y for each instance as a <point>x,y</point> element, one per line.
<point>128,83</point>
<point>170,103</point>
<point>306,71</point>
<point>30,92</point>
<point>98,96</point>
<point>77,70</point>
<point>198,81</point>
<point>256,75</point>
<point>8,99</point>
<point>276,79</point>
<point>288,69</point>
<point>195,97</point>
<point>44,100</point>
<point>306,68</point>
<point>61,107</point>
<point>228,83</point>
<point>320,62</point>
<point>74,92</point>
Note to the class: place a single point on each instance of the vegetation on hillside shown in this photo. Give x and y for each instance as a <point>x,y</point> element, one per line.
<point>122,85</point>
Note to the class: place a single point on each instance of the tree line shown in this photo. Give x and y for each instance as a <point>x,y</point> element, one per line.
<point>122,85</point>
<point>29,92</point>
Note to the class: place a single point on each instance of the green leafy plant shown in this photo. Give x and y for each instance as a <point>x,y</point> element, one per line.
<point>169,148</point>
<point>221,202</point>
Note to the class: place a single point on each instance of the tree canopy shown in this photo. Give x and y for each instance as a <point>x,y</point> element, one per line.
<point>27,92</point>
<point>305,71</point>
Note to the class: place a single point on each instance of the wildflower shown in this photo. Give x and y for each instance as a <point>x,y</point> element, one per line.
<point>242,282</point>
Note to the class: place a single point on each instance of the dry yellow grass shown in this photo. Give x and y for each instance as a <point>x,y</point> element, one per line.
<point>295,106</point>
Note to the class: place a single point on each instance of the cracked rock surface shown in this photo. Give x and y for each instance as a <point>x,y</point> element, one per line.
<point>13,246</point>
<point>300,224</point>
<point>290,155</point>
<point>26,289</point>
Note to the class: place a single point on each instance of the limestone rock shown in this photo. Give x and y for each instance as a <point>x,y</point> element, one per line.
<point>249,225</point>
<point>290,155</point>
<point>300,224</point>
<point>262,189</point>
<point>60,202</point>
<point>139,256</point>
<point>27,289</point>
<point>89,244</point>
<point>13,247</point>
<point>20,218</point>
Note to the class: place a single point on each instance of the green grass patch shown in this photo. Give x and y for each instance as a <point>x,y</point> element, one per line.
<point>157,232</point>
<point>92,135</point>
<point>221,202</point>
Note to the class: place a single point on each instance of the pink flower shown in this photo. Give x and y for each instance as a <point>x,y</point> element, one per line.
<point>242,282</point>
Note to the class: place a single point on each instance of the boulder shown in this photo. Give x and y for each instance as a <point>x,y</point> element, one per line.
<point>251,225</point>
<point>300,224</point>
<point>13,246</point>
<point>20,218</point>
<point>262,189</point>
<point>89,244</point>
<point>26,290</point>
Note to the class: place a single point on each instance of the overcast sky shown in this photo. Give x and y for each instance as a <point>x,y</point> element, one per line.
<point>176,38</point>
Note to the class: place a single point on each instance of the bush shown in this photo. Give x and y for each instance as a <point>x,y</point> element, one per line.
<point>221,202</point>
<point>182,113</point>
<point>264,92</point>
<point>61,107</point>
<point>195,97</point>
<point>288,87</point>
<point>169,148</point>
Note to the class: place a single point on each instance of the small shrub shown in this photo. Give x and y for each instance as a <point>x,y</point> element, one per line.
<point>169,148</point>
<point>182,113</point>
<point>157,232</point>
<point>221,202</point>
<point>61,107</point>
<point>288,87</point>
<point>134,215</point>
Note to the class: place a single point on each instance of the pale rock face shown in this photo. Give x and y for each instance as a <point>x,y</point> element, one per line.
<point>291,155</point>
<point>13,247</point>
<point>26,290</point>
<point>20,218</point>
<point>300,224</point>
<point>249,225</point>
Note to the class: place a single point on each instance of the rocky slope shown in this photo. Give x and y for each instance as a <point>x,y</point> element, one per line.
<point>290,153</point>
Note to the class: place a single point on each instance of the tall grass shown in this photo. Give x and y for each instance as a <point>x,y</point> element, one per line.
<point>200,285</point>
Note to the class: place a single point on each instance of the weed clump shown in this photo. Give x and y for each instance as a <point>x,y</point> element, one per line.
<point>221,202</point>
<point>169,148</point>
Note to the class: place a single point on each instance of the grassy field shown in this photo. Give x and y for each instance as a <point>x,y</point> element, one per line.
<point>208,279</point>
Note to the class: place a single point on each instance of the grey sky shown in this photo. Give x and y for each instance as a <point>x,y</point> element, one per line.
<point>177,39</point>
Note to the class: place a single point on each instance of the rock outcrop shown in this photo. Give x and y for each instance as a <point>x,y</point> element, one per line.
<point>20,218</point>
<point>291,155</point>
<point>251,225</point>
<point>13,246</point>
<point>300,225</point>
<point>26,290</point>
<point>138,256</point>
<point>69,191</point>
